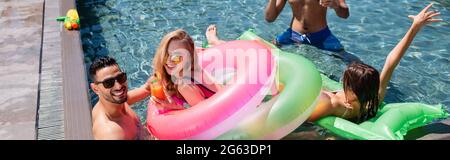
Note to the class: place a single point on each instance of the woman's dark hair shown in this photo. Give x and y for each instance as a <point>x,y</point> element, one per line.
<point>100,63</point>
<point>364,81</point>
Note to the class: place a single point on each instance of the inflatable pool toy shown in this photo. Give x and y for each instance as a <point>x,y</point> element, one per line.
<point>71,20</point>
<point>392,121</point>
<point>245,112</point>
<point>291,107</point>
<point>222,111</point>
<point>246,116</point>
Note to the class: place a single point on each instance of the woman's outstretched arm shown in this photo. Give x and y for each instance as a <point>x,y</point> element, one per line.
<point>394,57</point>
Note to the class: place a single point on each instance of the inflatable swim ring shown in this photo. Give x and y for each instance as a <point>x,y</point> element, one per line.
<point>291,107</point>
<point>231,115</point>
<point>221,112</point>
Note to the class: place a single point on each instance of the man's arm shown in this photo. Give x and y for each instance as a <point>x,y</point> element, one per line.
<point>273,9</point>
<point>342,9</point>
<point>339,6</point>
<point>139,94</point>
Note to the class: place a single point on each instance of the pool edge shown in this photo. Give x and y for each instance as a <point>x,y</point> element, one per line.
<point>77,107</point>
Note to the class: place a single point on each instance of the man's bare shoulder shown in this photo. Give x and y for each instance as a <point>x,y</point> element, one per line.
<point>131,112</point>
<point>103,128</point>
<point>96,111</point>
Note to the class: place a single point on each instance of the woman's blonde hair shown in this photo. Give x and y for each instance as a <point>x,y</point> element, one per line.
<point>162,55</point>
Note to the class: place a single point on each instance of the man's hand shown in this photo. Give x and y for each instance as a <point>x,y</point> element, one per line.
<point>329,3</point>
<point>273,9</point>
<point>339,6</point>
<point>424,17</point>
<point>164,104</point>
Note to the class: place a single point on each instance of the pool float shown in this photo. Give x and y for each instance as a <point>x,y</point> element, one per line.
<point>71,20</point>
<point>392,121</point>
<point>300,85</point>
<point>221,112</point>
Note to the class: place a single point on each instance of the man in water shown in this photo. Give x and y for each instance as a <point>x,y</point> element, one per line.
<point>112,117</point>
<point>309,22</point>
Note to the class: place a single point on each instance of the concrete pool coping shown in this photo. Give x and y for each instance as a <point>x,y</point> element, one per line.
<point>77,107</point>
<point>64,110</point>
<point>435,131</point>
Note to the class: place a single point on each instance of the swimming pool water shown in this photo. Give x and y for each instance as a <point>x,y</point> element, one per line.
<point>130,31</point>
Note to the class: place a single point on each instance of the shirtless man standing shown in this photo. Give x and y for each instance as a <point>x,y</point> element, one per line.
<point>309,22</point>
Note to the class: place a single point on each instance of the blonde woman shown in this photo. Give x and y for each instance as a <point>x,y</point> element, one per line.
<point>184,83</point>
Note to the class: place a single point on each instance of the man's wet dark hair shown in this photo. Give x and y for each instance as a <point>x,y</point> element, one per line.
<point>100,63</point>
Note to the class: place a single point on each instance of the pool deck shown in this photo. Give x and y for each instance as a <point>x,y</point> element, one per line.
<point>51,112</point>
<point>44,89</point>
<point>20,48</point>
<point>44,92</point>
<point>435,131</point>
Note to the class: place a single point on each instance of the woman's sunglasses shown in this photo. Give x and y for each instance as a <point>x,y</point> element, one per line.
<point>175,59</point>
<point>109,82</point>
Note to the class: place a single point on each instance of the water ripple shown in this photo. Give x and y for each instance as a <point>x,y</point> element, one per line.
<point>130,31</point>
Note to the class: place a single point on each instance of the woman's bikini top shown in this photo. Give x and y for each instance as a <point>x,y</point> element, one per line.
<point>346,108</point>
<point>205,90</point>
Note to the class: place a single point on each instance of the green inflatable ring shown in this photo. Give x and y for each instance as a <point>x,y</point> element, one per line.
<point>392,121</point>
<point>289,109</point>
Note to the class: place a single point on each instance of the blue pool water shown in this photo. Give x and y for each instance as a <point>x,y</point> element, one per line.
<point>130,31</point>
